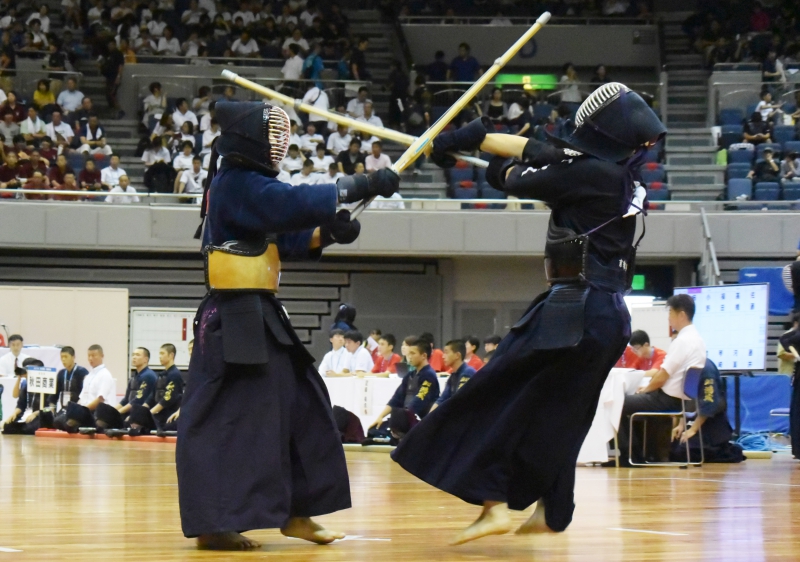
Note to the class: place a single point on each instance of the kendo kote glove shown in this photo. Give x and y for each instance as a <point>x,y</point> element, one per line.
<point>384,182</point>
<point>341,231</point>
<point>467,138</point>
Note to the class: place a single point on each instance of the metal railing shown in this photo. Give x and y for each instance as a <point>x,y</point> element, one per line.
<point>708,269</point>
<point>556,20</point>
<point>745,95</point>
<point>24,80</point>
<point>232,61</point>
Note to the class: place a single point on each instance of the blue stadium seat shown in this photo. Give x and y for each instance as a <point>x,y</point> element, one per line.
<point>790,146</point>
<point>776,148</point>
<point>76,161</point>
<point>457,175</point>
<point>750,110</point>
<point>738,187</point>
<point>658,194</point>
<point>782,134</point>
<point>737,171</point>
<point>735,156</point>
<point>542,111</point>
<point>652,155</point>
<point>652,172</point>
<point>738,129</point>
<point>501,129</point>
<point>488,192</point>
<point>466,193</point>
<point>480,174</point>
<point>731,116</point>
<point>767,191</point>
<point>791,191</point>
<point>729,138</point>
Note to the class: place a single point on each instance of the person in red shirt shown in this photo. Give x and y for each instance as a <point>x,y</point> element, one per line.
<point>89,178</point>
<point>57,172</point>
<point>70,184</point>
<point>650,357</point>
<point>629,359</point>
<point>16,109</point>
<point>35,163</point>
<point>372,344</point>
<point>387,359</point>
<point>436,360</point>
<point>472,344</point>
<point>9,172</point>
<point>37,181</point>
<point>47,151</point>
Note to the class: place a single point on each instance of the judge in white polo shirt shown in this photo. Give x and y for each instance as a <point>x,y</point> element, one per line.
<point>99,387</point>
<point>664,392</point>
<point>360,359</point>
<point>13,359</point>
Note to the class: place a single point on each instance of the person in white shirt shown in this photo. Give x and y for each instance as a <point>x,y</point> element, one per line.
<point>355,107</point>
<point>244,13</point>
<point>99,387</point>
<point>155,153</point>
<point>14,359</point>
<point>208,137</point>
<point>360,359</point>
<point>331,176</point>
<point>110,175</point>
<point>296,39</point>
<point>93,138</point>
<point>321,160</point>
<point>169,44</point>
<point>318,98</point>
<point>293,161</point>
<point>367,141</point>
<point>245,46</point>
<point>369,115</point>
<point>305,175</point>
<point>123,187</point>
<point>32,128</point>
<point>293,67</point>
<point>61,133</point>
<point>294,138</point>
<point>767,108</point>
<point>183,114</point>
<point>183,160</point>
<point>192,15</point>
<point>388,203</point>
<point>337,359</point>
<point>664,392</point>
<point>339,141</point>
<point>70,99</point>
<point>311,140</point>
<point>192,181</point>
<point>157,27</point>
<point>377,160</point>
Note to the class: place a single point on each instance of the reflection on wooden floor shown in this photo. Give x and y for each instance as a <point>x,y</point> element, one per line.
<point>79,500</point>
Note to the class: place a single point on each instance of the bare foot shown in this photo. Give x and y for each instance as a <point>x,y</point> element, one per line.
<point>226,541</point>
<point>306,529</point>
<point>493,521</point>
<point>536,524</point>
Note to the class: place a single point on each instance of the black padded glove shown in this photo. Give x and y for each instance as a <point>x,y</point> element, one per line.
<point>496,172</point>
<point>357,187</point>
<point>341,231</point>
<point>468,138</point>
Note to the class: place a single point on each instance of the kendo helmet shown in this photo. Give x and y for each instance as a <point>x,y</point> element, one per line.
<point>612,124</point>
<point>255,133</point>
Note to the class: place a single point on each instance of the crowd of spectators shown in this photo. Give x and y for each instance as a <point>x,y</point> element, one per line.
<point>498,12</point>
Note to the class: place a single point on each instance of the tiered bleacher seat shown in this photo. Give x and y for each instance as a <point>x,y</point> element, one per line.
<point>767,191</point>
<point>791,191</point>
<point>653,155</point>
<point>653,172</point>
<point>480,175</point>
<point>776,148</point>
<point>782,134</point>
<point>739,187</point>
<point>660,194</point>
<point>791,146</point>
<point>731,116</point>
<point>741,156</point>
<point>730,134</point>
<point>488,192</point>
<point>542,111</point>
<point>737,171</point>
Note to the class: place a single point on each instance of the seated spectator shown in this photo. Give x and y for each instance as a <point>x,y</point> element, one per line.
<point>369,115</point>
<point>377,160</point>
<point>166,128</point>
<point>649,356</point>
<point>9,129</point>
<point>296,38</point>
<point>35,163</point>
<point>32,128</point>
<point>664,392</point>
<point>205,120</point>
<point>293,162</point>
<point>519,116</point>
<point>36,181</point>
<point>155,104</point>
<point>360,360</point>
<point>322,160</point>
<point>464,68</point>
<point>766,169</point>
<point>70,184</point>
<point>294,137</point>
<point>110,175</point>
<point>187,133</point>
<point>770,112</point>
<point>11,106</point>
<point>387,359</point>
<point>60,132</point>
<point>156,153</point>
<point>436,356</point>
<point>9,174</point>
<point>339,141</point>
<point>789,167</point>
<point>416,394</point>
<point>122,187</point>
<point>305,175</point>
<point>471,358</point>
<point>140,392</point>
<point>209,136</point>
<point>332,175</point>
<point>81,115</point>
<point>89,179</point>
<point>93,139</point>
<point>355,107</point>
<point>600,76</point>
<point>756,130</point>
<point>495,108</point>
<point>245,46</point>
<point>21,149</point>
<point>167,398</point>
<point>192,181</point>
<point>57,172</point>
<point>388,203</point>
<point>70,100</point>
<point>168,45</point>
<point>293,67</point>
<point>182,114</point>
<point>46,149</point>
<point>490,343</point>
<point>43,97</point>
<point>348,159</point>
<point>311,140</point>
<point>337,359</point>
<point>202,103</point>
<point>453,353</point>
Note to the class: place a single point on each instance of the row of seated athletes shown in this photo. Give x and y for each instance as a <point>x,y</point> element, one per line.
<point>86,401</point>
<point>352,355</point>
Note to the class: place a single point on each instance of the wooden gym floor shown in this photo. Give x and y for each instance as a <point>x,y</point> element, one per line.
<point>83,500</point>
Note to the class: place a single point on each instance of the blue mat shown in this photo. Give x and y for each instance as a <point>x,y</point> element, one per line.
<point>759,395</point>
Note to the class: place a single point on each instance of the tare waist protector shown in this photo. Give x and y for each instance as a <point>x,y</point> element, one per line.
<point>243,266</point>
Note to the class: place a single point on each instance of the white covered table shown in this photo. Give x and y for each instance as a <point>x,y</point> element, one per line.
<point>607,416</point>
<point>50,356</point>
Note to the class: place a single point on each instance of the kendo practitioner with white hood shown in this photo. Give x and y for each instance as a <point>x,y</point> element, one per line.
<point>511,436</point>
<point>257,442</point>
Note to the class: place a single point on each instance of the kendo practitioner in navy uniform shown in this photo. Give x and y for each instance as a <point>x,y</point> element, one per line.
<point>257,442</point>
<point>791,342</point>
<point>14,425</point>
<point>167,400</point>
<point>511,436</point>
<point>140,392</point>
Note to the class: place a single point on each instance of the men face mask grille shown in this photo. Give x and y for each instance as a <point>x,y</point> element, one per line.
<point>278,128</point>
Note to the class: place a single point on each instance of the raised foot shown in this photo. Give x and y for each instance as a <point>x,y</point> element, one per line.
<point>226,541</point>
<point>494,521</point>
<point>306,529</point>
<point>536,524</point>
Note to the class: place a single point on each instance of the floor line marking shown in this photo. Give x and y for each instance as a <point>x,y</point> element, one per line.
<point>6,549</point>
<point>648,532</point>
<point>736,482</point>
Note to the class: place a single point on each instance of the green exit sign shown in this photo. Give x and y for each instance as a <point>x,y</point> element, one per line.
<point>638,283</point>
<point>528,81</point>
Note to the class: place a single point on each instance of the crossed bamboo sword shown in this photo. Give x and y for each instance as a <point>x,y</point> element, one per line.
<point>416,145</point>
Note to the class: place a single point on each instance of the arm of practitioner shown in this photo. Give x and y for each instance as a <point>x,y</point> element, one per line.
<point>443,397</point>
<point>172,396</point>
<point>396,401</point>
<point>427,395</point>
<point>21,394</point>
